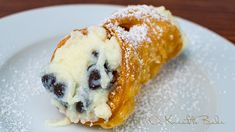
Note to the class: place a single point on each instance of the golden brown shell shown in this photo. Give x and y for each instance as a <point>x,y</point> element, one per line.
<point>140,62</point>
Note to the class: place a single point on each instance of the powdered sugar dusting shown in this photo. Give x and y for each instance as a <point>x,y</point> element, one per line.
<point>184,87</point>
<point>160,31</point>
<point>127,55</point>
<point>19,82</point>
<point>143,11</point>
<point>175,92</point>
<point>136,35</point>
<point>178,81</point>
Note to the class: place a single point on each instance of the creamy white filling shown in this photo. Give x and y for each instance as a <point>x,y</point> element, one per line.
<point>70,65</point>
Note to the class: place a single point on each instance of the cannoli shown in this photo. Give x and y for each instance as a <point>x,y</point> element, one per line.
<point>95,73</point>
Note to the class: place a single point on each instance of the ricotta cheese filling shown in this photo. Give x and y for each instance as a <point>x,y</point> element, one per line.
<point>81,75</point>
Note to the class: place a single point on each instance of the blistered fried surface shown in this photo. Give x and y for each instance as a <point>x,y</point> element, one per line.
<point>148,38</point>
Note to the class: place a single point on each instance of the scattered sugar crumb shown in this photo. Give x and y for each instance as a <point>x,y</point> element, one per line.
<point>18,86</point>
<point>174,90</point>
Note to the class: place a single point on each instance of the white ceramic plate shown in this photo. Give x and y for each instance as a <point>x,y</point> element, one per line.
<point>198,83</point>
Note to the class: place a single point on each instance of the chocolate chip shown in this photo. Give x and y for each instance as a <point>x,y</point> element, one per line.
<point>94,79</point>
<point>95,54</point>
<point>80,107</point>
<point>59,90</point>
<point>106,67</point>
<point>108,71</point>
<point>48,81</point>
